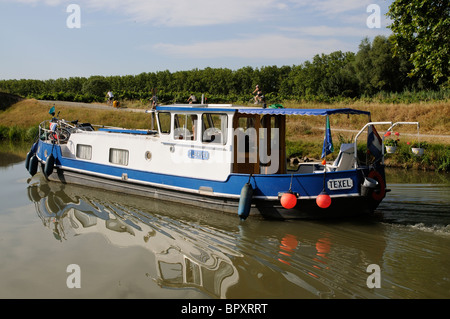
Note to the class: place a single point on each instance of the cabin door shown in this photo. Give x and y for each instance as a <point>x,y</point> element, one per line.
<point>259,144</point>
<point>272,152</point>
<point>245,144</point>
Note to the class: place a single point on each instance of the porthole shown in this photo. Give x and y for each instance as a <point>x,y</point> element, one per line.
<point>148,155</point>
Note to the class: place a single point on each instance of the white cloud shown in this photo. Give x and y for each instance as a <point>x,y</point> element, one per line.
<point>271,46</point>
<point>215,12</point>
<point>47,2</point>
<point>327,31</point>
<point>333,6</point>
<point>188,13</point>
<point>179,12</point>
<point>343,11</point>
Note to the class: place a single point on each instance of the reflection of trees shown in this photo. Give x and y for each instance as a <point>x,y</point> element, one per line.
<point>7,158</point>
<point>184,258</point>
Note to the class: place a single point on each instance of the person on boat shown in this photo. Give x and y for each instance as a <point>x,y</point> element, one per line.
<point>192,99</point>
<point>259,95</point>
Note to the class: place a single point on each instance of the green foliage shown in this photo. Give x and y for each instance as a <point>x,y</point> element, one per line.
<point>391,142</point>
<point>96,86</point>
<point>443,159</point>
<point>376,69</point>
<point>416,144</point>
<point>345,140</point>
<point>301,149</point>
<point>435,157</point>
<point>4,133</point>
<point>17,134</point>
<point>31,133</point>
<point>421,32</point>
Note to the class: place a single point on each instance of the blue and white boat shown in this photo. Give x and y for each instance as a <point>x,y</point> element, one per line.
<point>223,157</point>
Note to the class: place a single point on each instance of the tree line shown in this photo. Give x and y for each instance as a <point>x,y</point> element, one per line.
<point>327,77</point>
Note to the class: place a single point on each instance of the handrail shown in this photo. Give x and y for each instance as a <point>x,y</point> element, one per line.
<point>43,131</point>
<point>61,124</point>
<point>359,133</point>
<point>392,125</point>
<point>42,128</point>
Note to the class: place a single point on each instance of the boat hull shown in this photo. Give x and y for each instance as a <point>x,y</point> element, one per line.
<point>221,196</point>
<point>341,207</point>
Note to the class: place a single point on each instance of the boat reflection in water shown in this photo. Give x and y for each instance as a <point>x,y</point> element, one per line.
<point>186,257</point>
<point>190,252</point>
<point>213,253</point>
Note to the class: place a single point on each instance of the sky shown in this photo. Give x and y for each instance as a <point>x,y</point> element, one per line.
<point>49,39</point>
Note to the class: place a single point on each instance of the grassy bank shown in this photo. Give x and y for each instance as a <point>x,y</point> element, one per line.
<point>19,122</point>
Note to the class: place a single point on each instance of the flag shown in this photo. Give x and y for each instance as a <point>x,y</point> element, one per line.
<point>374,142</point>
<point>52,111</point>
<point>327,142</point>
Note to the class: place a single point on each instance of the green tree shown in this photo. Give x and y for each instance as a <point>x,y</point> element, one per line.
<point>386,75</point>
<point>339,77</point>
<point>244,80</point>
<point>327,75</point>
<point>364,67</point>
<point>421,32</point>
<point>96,85</point>
<point>376,67</point>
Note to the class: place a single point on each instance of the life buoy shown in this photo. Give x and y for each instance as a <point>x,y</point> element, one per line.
<point>379,194</point>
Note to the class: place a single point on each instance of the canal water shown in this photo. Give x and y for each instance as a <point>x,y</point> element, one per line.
<point>62,241</point>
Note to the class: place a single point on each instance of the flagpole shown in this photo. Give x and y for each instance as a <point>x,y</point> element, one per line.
<point>323,200</point>
<point>325,149</point>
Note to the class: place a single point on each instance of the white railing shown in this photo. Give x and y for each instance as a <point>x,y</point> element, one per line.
<point>392,125</point>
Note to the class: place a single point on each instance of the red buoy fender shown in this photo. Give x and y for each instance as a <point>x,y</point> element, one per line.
<point>378,195</point>
<point>288,200</point>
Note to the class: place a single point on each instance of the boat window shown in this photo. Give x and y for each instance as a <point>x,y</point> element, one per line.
<point>185,126</point>
<point>84,151</point>
<point>118,156</point>
<point>214,128</point>
<point>164,122</point>
<point>246,122</point>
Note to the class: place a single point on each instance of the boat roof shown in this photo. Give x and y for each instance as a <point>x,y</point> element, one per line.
<point>257,110</point>
<point>198,107</point>
<point>302,111</point>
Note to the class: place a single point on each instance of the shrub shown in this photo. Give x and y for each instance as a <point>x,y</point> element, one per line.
<point>32,133</point>
<point>15,133</point>
<point>96,86</point>
<point>4,132</point>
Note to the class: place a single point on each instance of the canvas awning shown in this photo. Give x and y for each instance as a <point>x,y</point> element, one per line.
<point>316,112</point>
